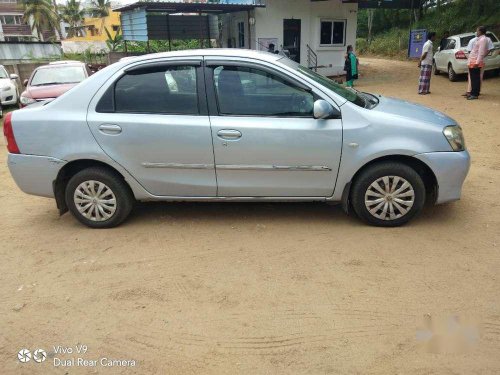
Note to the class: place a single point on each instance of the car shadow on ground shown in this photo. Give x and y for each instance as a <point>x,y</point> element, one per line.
<point>307,213</point>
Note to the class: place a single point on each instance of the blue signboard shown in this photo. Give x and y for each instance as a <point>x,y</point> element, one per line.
<point>417,40</point>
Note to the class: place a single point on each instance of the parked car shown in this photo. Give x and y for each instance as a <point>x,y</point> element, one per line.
<point>9,91</point>
<point>232,125</point>
<point>453,58</point>
<point>50,81</point>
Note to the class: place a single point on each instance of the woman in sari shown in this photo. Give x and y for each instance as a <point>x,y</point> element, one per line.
<point>351,66</point>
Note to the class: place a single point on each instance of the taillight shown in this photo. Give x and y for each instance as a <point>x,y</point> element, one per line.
<point>9,134</point>
<point>460,55</point>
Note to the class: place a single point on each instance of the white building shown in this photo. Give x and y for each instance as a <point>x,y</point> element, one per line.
<point>315,33</point>
<point>305,28</point>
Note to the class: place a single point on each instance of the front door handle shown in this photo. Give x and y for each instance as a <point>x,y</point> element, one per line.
<point>229,134</point>
<point>111,129</point>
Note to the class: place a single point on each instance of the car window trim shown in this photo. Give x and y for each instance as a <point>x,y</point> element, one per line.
<point>213,105</point>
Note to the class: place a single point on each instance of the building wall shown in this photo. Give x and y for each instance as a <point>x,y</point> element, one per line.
<point>269,24</point>
<point>98,25</point>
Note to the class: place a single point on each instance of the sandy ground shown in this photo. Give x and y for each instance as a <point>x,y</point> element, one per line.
<point>265,288</point>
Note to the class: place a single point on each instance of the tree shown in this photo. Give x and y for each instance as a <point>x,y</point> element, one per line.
<point>115,42</point>
<point>73,14</point>
<point>100,9</point>
<point>40,15</point>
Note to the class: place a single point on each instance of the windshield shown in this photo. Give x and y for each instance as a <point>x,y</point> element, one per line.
<point>3,73</point>
<point>347,94</point>
<point>58,75</point>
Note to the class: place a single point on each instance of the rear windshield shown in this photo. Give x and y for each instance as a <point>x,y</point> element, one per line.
<point>58,75</point>
<point>349,95</point>
<point>464,41</point>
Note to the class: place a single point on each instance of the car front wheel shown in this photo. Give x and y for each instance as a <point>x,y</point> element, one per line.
<point>99,198</point>
<point>435,69</point>
<point>388,194</point>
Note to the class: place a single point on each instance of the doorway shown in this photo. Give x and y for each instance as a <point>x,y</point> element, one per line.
<point>291,38</point>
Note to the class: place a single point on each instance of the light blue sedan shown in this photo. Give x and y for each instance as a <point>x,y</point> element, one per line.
<point>232,125</point>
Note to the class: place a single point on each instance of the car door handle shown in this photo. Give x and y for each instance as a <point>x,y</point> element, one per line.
<point>229,134</point>
<point>110,129</point>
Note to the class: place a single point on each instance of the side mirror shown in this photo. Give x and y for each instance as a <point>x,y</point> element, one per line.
<point>25,82</point>
<point>324,110</point>
<point>14,77</point>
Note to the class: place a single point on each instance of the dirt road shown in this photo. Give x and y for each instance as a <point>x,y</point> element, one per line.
<point>265,288</point>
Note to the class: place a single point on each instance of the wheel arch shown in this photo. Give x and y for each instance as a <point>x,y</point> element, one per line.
<point>69,170</point>
<point>425,172</point>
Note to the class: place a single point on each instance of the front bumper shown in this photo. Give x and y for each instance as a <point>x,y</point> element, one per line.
<point>34,174</point>
<point>450,169</point>
<point>8,97</point>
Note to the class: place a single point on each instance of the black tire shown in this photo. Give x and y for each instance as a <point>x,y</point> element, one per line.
<point>435,69</point>
<point>452,76</point>
<point>115,183</point>
<point>393,169</point>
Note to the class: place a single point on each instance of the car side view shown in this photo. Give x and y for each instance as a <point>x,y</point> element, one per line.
<point>232,125</point>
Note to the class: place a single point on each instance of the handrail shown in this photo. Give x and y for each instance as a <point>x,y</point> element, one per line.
<point>312,59</point>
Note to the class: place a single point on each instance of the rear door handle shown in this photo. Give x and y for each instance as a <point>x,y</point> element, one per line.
<point>229,134</point>
<point>111,129</point>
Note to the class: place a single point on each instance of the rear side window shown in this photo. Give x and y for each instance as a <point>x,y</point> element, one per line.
<point>161,90</point>
<point>246,91</point>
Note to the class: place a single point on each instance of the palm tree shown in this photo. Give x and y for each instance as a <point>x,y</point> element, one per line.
<point>40,15</point>
<point>73,14</point>
<point>100,9</point>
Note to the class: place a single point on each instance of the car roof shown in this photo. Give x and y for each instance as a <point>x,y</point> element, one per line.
<point>463,35</point>
<point>61,63</point>
<point>223,52</point>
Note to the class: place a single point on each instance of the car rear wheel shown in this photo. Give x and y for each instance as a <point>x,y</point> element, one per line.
<point>388,194</point>
<point>452,76</point>
<point>99,198</point>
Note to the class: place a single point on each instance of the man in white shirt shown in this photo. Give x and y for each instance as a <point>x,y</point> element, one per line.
<point>425,65</point>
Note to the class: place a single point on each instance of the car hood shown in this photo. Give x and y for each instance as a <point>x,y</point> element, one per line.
<point>4,81</point>
<point>51,91</point>
<point>412,111</point>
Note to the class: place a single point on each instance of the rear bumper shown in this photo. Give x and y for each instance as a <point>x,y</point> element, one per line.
<point>450,169</point>
<point>34,174</point>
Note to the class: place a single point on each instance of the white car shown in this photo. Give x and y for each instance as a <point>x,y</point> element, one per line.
<point>9,92</point>
<point>453,58</point>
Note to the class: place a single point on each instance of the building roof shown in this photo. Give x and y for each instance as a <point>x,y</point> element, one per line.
<point>181,7</point>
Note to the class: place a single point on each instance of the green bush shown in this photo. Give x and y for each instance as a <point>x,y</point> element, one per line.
<point>392,43</point>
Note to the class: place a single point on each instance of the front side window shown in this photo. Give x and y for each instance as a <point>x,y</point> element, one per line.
<point>58,75</point>
<point>245,91</point>
<point>162,90</point>
<point>332,33</point>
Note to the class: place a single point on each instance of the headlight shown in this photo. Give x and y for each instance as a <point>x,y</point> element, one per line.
<point>455,137</point>
<point>25,100</point>
<point>6,88</point>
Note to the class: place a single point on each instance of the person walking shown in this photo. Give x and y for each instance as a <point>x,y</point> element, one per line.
<point>425,65</point>
<point>351,66</point>
<point>476,62</point>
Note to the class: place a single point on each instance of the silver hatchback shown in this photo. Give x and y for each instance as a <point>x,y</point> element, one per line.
<point>232,125</point>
